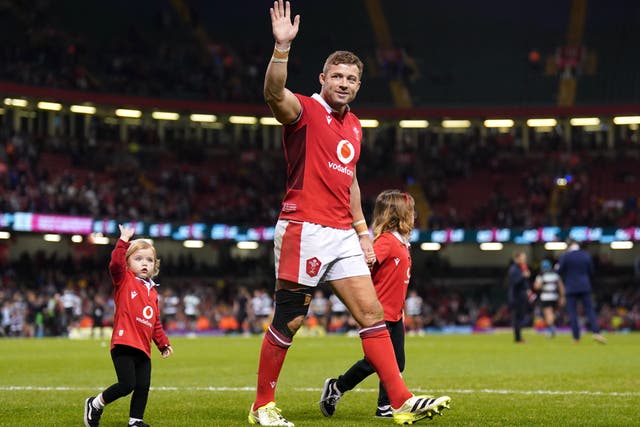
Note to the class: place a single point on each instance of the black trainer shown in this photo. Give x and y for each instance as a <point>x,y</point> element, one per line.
<point>384,412</point>
<point>330,397</point>
<point>138,424</point>
<point>91,414</point>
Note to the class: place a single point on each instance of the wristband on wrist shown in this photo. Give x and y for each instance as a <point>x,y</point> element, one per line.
<point>361,227</point>
<point>280,55</point>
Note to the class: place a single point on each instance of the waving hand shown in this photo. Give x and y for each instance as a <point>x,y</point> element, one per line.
<point>284,31</point>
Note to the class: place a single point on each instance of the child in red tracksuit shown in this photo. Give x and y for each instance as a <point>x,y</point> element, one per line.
<point>393,219</point>
<point>136,322</point>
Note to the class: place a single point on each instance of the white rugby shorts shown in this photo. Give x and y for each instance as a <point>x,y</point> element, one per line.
<point>309,254</point>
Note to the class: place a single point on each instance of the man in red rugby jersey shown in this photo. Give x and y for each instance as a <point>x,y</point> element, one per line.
<point>321,234</point>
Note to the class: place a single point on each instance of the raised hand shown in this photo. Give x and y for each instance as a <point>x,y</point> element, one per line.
<point>284,31</point>
<point>125,233</point>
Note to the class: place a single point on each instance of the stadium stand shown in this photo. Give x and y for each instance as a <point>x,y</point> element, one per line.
<point>179,51</point>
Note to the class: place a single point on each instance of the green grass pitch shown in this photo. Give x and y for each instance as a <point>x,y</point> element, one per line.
<point>210,381</point>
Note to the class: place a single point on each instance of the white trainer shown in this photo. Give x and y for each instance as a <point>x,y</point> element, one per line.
<point>418,407</point>
<point>268,415</point>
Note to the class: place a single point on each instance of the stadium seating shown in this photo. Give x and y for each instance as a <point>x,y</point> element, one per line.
<point>161,50</point>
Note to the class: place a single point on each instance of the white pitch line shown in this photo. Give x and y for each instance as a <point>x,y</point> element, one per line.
<point>365,390</point>
<point>492,391</point>
<point>549,392</point>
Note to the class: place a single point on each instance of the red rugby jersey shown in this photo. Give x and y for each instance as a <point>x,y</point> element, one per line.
<point>391,273</point>
<point>137,318</point>
<point>321,150</point>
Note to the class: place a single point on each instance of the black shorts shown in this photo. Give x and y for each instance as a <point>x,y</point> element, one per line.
<point>552,304</point>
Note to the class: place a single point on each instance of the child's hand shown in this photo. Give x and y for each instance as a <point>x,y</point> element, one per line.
<point>168,351</point>
<point>125,233</point>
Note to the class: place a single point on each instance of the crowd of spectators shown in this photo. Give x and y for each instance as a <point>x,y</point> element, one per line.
<point>474,181</point>
<point>157,54</point>
<point>115,180</point>
<point>469,180</point>
<point>44,295</point>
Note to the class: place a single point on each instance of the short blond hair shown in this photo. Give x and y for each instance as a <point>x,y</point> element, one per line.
<point>343,57</point>
<point>136,245</point>
<point>394,211</point>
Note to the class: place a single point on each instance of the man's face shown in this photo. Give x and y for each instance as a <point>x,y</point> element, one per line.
<point>340,84</point>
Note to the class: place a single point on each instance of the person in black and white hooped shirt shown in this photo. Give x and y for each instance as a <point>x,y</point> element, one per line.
<point>549,284</point>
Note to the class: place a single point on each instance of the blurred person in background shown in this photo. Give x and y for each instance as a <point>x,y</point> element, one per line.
<point>97,315</point>
<point>191,303</point>
<point>262,309</point>
<point>319,308</point>
<point>72,304</point>
<point>551,289</point>
<point>338,315</point>
<point>241,310</point>
<point>54,319</point>
<point>35,315</point>
<point>576,269</point>
<point>169,302</point>
<point>5,319</point>
<point>18,314</point>
<point>518,276</point>
<point>413,311</point>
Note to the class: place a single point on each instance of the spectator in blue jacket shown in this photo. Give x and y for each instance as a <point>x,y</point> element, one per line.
<point>576,269</point>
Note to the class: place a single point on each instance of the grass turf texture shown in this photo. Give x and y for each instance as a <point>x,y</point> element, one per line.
<point>210,381</point>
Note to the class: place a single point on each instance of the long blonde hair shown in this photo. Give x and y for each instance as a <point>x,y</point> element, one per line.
<point>138,244</point>
<point>394,211</point>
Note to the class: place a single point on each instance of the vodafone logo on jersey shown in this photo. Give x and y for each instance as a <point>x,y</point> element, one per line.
<point>147,312</point>
<point>345,151</point>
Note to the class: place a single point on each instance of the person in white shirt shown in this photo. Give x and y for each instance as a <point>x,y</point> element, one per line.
<point>413,311</point>
<point>262,308</point>
<point>319,307</point>
<point>191,302</point>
